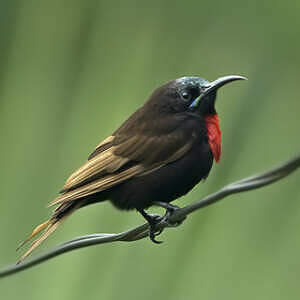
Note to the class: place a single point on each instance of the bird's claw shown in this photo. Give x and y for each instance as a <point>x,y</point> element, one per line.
<point>170,209</point>
<point>157,219</point>
<point>153,221</point>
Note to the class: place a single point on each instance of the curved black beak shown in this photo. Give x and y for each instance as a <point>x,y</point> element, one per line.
<point>220,82</point>
<point>214,85</point>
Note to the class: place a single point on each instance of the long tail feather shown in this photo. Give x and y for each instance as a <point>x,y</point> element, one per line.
<point>49,226</point>
<point>36,230</point>
<point>38,241</point>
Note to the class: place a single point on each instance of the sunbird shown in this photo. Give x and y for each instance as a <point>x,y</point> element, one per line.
<point>157,155</point>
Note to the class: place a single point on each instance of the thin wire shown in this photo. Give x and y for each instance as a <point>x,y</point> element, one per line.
<point>247,184</point>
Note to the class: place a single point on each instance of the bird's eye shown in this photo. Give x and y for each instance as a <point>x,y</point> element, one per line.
<point>186,96</point>
<point>190,94</point>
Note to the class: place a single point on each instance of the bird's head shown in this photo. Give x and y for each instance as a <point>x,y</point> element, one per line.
<point>194,96</point>
<point>190,94</point>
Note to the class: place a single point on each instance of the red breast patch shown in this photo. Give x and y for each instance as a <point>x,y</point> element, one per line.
<point>214,135</point>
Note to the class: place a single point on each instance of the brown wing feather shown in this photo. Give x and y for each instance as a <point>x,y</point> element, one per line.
<point>109,164</point>
<point>102,146</point>
<point>98,185</point>
<point>105,162</point>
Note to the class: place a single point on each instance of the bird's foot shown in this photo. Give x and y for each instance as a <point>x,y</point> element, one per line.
<point>152,228</point>
<point>153,220</point>
<point>170,209</point>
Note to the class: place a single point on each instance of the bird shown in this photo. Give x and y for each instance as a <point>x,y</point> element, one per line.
<point>157,155</point>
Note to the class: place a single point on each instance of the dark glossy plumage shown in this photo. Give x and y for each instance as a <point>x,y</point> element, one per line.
<point>159,154</point>
<point>174,179</point>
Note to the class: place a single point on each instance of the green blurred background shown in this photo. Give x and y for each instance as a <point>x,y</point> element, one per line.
<point>72,71</point>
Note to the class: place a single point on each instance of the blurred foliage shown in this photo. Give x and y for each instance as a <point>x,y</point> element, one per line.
<point>72,71</point>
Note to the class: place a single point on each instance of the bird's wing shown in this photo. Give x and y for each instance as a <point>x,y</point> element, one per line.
<point>122,156</point>
<point>135,149</point>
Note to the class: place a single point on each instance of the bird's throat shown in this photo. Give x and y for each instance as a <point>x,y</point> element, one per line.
<point>214,135</point>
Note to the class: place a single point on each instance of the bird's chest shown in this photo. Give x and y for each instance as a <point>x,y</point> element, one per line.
<point>179,177</point>
<point>188,171</point>
<point>168,182</point>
